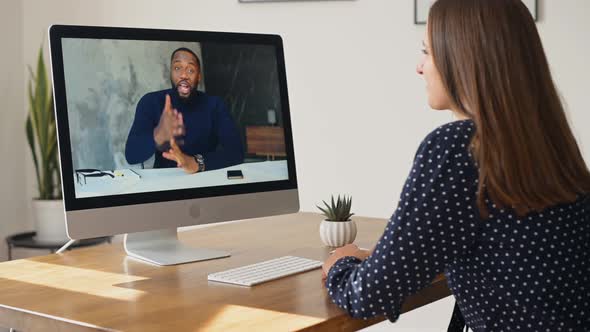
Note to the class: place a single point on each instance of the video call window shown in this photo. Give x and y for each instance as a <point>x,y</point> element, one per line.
<point>148,116</point>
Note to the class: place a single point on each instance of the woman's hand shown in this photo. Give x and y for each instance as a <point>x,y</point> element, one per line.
<point>347,250</point>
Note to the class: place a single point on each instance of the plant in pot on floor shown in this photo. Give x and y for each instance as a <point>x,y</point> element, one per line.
<point>41,133</point>
<point>337,229</point>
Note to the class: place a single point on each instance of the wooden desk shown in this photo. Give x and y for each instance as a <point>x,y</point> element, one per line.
<point>99,288</point>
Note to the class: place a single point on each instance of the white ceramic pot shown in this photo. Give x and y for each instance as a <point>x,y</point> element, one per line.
<point>337,233</point>
<point>50,223</point>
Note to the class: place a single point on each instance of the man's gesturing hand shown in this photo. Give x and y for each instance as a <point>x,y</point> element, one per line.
<point>171,125</point>
<point>188,163</point>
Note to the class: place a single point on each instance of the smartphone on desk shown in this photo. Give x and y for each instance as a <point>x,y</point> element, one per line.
<point>234,175</point>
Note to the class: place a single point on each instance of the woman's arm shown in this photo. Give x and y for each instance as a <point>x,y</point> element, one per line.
<point>434,224</point>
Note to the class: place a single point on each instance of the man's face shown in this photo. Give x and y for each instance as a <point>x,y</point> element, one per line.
<point>184,74</point>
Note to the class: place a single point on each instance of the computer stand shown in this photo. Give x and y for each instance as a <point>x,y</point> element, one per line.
<point>162,247</point>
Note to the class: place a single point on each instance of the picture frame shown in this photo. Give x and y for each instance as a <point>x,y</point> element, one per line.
<point>252,1</point>
<point>421,8</point>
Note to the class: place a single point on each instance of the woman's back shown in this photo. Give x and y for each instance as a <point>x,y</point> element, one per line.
<point>522,268</point>
<point>506,272</point>
<point>529,273</point>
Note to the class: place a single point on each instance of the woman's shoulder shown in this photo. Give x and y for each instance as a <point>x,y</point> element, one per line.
<point>451,140</point>
<point>456,134</point>
<point>456,130</point>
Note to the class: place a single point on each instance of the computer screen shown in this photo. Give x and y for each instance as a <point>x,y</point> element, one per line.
<point>149,119</point>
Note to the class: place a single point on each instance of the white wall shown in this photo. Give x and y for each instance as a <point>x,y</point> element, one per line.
<point>358,108</point>
<point>565,30</point>
<point>13,145</point>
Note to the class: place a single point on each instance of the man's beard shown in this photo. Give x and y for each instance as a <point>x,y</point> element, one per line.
<point>184,99</point>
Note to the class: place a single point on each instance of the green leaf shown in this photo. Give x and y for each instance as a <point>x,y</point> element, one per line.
<point>337,210</point>
<point>31,73</point>
<point>324,211</point>
<point>329,212</point>
<point>31,140</point>
<point>333,205</point>
<point>41,131</point>
<point>41,102</point>
<point>32,110</point>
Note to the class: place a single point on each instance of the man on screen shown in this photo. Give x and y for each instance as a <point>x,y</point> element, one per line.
<point>184,127</point>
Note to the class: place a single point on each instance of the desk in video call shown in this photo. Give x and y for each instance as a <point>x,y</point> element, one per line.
<point>175,178</point>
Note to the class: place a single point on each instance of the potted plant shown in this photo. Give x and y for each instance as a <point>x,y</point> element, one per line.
<point>41,133</point>
<point>337,229</point>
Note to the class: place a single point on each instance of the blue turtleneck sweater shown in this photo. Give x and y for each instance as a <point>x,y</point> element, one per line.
<point>210,130</point>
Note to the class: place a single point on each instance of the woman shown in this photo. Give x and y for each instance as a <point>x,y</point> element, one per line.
<point>498,200</point>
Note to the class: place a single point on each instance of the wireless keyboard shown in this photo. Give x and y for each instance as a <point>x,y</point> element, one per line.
<point>258,273</point>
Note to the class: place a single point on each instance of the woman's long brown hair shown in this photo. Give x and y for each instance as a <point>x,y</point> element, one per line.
<point>494,68</point>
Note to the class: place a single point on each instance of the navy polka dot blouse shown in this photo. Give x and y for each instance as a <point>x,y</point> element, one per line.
<point>507,273</point>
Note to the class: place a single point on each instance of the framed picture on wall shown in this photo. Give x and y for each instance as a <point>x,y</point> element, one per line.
<point>286,0</point>
<point>533,8</point>
<point>421,8</point>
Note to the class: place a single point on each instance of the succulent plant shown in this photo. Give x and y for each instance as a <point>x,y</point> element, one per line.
<point>338,210</point>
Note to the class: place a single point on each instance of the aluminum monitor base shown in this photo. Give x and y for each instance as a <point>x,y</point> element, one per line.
<point>162,247</point>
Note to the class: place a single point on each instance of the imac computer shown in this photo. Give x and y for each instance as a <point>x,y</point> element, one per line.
<point>159,129</point>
